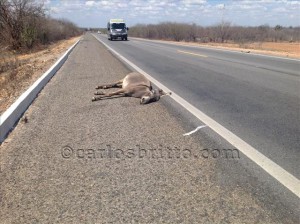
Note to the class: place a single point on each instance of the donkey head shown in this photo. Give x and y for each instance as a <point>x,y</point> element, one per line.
<point>152,96</point>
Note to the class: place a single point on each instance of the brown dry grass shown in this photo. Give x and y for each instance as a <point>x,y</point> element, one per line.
<point>19,71</point>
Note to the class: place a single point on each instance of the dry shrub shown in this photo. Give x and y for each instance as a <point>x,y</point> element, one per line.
<point>223,32</point>
<point>23,25</point>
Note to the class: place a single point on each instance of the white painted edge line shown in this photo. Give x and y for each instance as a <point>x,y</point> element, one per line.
<point>280,174</point>
<point>195,130</point>
<point>216,49</point>
<point>15,111</point>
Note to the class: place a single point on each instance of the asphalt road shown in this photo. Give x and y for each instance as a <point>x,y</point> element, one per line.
<point>256,97</point>
<point>116,161</point>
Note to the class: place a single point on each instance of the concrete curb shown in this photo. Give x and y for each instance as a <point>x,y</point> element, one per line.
<point>10,117</point>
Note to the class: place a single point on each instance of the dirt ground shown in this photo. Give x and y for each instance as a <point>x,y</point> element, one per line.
<point>284,49</point>
<point>290,50</point>
<point>18,72</point>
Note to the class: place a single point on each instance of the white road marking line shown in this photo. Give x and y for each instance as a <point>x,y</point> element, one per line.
<point>197,129</point>
<point>276,171</point>
<point>186,52</point>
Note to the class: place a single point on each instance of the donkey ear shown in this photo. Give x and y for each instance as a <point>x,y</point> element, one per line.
<point>161,92</point>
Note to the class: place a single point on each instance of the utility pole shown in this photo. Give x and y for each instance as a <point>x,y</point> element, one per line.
<point>222,16</point>
<point>222,22</point>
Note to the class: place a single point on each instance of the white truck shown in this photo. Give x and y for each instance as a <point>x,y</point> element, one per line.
<point>116,28</point>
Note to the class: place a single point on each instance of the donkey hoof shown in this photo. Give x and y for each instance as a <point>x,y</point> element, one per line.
<point>96,98</point>
<point>98,93</point>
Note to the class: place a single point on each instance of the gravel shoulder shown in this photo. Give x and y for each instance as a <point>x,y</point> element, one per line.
<point>113,161</point>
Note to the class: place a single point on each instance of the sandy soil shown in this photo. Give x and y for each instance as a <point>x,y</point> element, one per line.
<point>19,71</point>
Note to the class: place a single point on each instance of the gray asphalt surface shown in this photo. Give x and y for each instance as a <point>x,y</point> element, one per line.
<point>110,161</point>
<point>255,97</point>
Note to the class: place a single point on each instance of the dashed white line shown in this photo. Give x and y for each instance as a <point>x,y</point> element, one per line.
<point>191,53</point>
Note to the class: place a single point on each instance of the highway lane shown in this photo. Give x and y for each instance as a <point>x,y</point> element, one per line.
<point>273,63</point>
<point>255,97</point>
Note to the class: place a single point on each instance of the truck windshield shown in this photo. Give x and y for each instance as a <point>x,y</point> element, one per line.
<point>118,26</point>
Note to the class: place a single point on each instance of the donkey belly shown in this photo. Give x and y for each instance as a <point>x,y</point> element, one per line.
<point>125,82</point>
<point>135,79</point>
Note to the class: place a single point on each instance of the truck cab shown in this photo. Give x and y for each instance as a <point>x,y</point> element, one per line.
<point>116,28</point>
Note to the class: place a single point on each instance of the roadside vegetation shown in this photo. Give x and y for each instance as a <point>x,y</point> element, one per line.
<point>30,41</point>
<point>24,25</point>
<point>221,33</point>
<point>24,28</point>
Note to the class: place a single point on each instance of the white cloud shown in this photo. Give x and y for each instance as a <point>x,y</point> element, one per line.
<point>193,2</point>
<point>220,6</point>
<point>54,10</point>
<point>90,3</point>
<point>280,10</point>
<point>46,2</point>
<point>106,3</point>
<point>203,12</point>
<point>135,3</point>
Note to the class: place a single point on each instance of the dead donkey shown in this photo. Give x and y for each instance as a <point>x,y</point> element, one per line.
<point>134,85</point>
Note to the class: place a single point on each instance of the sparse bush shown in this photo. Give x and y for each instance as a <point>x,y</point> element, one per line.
<point>28,36</point>
<point>23,25</point>
<point>223,32</point>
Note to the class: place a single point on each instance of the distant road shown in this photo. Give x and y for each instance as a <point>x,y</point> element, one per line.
<point>254,96</point>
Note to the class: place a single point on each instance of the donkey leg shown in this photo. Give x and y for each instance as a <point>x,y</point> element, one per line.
<point>118,92</point>
<point>95,98</point>
<point>107,95</point>
<point>99,93</point>
<point>117,84</point>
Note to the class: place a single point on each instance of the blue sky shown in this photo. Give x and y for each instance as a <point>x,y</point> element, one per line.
<point>96,13</point>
